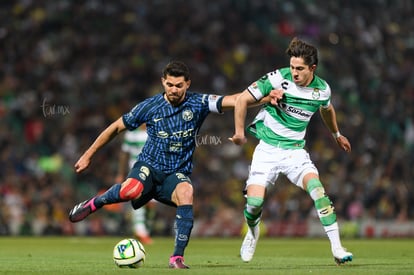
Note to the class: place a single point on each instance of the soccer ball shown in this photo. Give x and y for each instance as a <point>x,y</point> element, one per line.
<point>129,253</point>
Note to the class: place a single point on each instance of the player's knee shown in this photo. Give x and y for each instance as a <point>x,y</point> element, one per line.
<point>254,205</point>
<point>131,189</point>
<point>183,194</point>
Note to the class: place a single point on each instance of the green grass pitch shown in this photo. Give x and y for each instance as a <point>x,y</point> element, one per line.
<point>93,255</point>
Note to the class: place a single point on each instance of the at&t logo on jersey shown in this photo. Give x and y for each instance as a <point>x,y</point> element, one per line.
<point>178,134</point>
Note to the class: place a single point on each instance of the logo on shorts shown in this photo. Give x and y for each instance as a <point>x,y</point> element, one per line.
<point>181,176</point>
<point>144,172</point>
<point>142,176</point>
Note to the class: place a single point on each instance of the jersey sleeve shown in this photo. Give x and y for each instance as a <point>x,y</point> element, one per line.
<point>264,85</point>
<point>328,92</point>
<point>134,118</point>
<point>214,103</point>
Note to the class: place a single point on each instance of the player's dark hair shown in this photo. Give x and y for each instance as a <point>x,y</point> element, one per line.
<point>177,69</point>
<point>298,48</point>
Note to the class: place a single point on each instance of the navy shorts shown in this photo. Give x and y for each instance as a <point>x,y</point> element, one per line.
<point>157,185</point>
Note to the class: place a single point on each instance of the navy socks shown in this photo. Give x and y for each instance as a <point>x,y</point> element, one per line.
<point>183,226</point>
<point>110,196</point>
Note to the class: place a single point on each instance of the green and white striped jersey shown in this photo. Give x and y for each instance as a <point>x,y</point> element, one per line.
<point>284,125</point>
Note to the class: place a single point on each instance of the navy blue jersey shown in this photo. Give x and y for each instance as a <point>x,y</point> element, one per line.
<point>171,129</point>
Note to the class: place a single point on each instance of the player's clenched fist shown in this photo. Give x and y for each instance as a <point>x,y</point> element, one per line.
<point>276,96</point>
<point>238,139</point>
<point>82,164</point>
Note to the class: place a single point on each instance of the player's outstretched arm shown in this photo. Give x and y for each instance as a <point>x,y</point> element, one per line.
<point>229,101</point>
<point>107,135</point>
<point>329,118</point>
<point>245,99</point>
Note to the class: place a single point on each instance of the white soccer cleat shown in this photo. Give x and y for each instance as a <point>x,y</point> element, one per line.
<point>249,243</point>
<point>341,256</point>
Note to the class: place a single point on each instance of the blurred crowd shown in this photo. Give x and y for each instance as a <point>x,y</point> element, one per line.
<point>69,68</point>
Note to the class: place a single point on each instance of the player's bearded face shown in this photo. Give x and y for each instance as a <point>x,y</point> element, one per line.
<point>302,74</point>
<point>175,89</point>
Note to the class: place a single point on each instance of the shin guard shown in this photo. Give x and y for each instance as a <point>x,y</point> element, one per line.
<point>253,210</point>
<point>323,204</point>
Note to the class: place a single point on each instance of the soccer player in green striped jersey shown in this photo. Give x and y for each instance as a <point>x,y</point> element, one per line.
<point>281,127</point>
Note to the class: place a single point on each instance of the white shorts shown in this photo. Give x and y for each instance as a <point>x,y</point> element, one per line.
<point>269,161</point>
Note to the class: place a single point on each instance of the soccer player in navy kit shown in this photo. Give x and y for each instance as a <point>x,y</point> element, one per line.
<point>162,170</point>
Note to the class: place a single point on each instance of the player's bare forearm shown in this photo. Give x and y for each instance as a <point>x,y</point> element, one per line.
<point>329,118</point>
<point>240,111</point>
<point>229,101</point>
<point>107,135</point>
